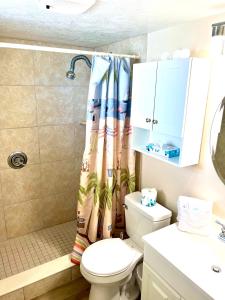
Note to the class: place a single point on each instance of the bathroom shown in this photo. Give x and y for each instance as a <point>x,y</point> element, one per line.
<point>43,114</point>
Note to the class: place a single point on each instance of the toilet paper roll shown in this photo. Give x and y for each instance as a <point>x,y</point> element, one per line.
<point>149,196</point>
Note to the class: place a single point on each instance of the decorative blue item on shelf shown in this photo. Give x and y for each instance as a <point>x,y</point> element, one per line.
<point>165,150</point>
<point>150,147</point>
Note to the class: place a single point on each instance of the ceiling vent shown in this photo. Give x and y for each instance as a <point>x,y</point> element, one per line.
<point>73,7</point>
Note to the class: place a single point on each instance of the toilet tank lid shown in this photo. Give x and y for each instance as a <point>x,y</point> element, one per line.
<point>154,213</point>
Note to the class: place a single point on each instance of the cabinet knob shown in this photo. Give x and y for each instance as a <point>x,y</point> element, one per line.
<point>154,121</point>
<point>148,120</point>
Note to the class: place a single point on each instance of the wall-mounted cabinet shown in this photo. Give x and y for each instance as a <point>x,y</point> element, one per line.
<point>143,94</point>
<point>168,106</point>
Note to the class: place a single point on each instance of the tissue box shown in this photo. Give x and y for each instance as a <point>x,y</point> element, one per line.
<point>165,150</point>
<point>170,151</point>
<point>194,215</point>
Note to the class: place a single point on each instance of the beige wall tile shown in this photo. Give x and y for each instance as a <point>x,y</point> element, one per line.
<point>35,92</point>
<point>55,105</point>
<point>79,133</point>
<point>16,67</point>
<point>17,295</point>
<point>3,235</point>
<point>59,208</point>
<point>57,143</point>
<point>43,286</point>
<point>22,139</point>
<point>21,184</point>
<point>80,102</point>
<point>51,68</point>
<point>1,199</point>
<point>77,175</point>
<point>18,106</point>
<point>78,162</point>
<point>23,218</point>
<point>58,177</point>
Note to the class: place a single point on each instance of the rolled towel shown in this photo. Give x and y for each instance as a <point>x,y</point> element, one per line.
<point>194,215</point>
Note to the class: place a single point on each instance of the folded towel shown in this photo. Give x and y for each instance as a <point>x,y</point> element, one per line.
<point>194,215</point>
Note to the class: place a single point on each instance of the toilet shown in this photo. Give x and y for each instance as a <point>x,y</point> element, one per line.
<point>111,265</point>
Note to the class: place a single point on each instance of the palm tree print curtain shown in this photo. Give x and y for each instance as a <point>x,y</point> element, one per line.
<point>108,166</point>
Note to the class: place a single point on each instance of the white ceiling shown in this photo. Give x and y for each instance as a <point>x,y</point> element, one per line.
<point>106,22</point>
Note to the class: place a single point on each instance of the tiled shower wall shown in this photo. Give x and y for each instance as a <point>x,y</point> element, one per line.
<point>40,114</point>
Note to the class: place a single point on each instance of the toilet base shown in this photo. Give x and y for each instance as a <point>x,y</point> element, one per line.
<point>104,292</point>
<point>128,291</point>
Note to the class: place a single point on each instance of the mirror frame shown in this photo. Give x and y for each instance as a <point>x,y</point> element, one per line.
<point>212,150</point>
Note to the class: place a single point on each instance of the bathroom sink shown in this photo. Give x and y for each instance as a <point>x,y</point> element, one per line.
<point>183,257</point>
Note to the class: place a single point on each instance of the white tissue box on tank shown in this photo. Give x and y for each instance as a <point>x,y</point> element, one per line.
<point>168,107</point>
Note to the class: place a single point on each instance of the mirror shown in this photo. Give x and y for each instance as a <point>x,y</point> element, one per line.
<point>217,141</point>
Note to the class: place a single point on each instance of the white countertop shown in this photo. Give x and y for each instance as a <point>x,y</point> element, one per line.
<point>193,256</point>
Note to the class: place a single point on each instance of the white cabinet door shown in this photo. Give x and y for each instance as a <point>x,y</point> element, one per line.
<point>143,94</point>
<point>171,89</point>
<point>155,288</point>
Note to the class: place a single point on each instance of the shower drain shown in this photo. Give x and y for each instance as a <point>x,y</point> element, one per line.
<point>17,160</point>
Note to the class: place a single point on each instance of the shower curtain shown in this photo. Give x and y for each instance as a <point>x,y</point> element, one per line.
<point>108,166</point>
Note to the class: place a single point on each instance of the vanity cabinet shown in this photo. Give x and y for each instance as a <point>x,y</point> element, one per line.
<point>155,288</point>
<point>174,267</point>
<point>168,106</point>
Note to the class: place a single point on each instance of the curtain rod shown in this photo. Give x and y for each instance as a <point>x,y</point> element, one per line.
<point>61,50</point>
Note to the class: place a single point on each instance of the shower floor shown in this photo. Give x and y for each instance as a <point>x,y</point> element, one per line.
<point>28,251</point>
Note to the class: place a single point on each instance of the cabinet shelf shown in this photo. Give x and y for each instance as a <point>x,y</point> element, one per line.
<point>172,161</point>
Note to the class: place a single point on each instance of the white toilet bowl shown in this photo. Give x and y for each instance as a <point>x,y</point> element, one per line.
<point>108,266</point>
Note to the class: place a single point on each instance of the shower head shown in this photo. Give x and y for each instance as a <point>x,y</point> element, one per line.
<point>71,73</point>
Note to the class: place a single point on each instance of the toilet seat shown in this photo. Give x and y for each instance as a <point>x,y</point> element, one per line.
<point>110,257</point>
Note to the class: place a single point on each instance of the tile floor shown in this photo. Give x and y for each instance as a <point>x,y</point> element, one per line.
<point>25,252</point>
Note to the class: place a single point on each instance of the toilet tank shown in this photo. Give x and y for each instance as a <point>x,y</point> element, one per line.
<point>141,220</point>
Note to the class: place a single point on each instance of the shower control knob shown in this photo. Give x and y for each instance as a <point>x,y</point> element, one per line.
<point>148,120</point>
<point>17,160</point>
<point>155,122</point>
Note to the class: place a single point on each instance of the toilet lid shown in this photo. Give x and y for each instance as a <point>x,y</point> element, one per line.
<point>108,257</point>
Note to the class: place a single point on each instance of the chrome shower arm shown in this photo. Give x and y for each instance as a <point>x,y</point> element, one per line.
<point>71,73</point>
<point>78,57</point>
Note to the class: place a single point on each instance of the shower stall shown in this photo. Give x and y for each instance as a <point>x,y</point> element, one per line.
<point>41,116</point>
